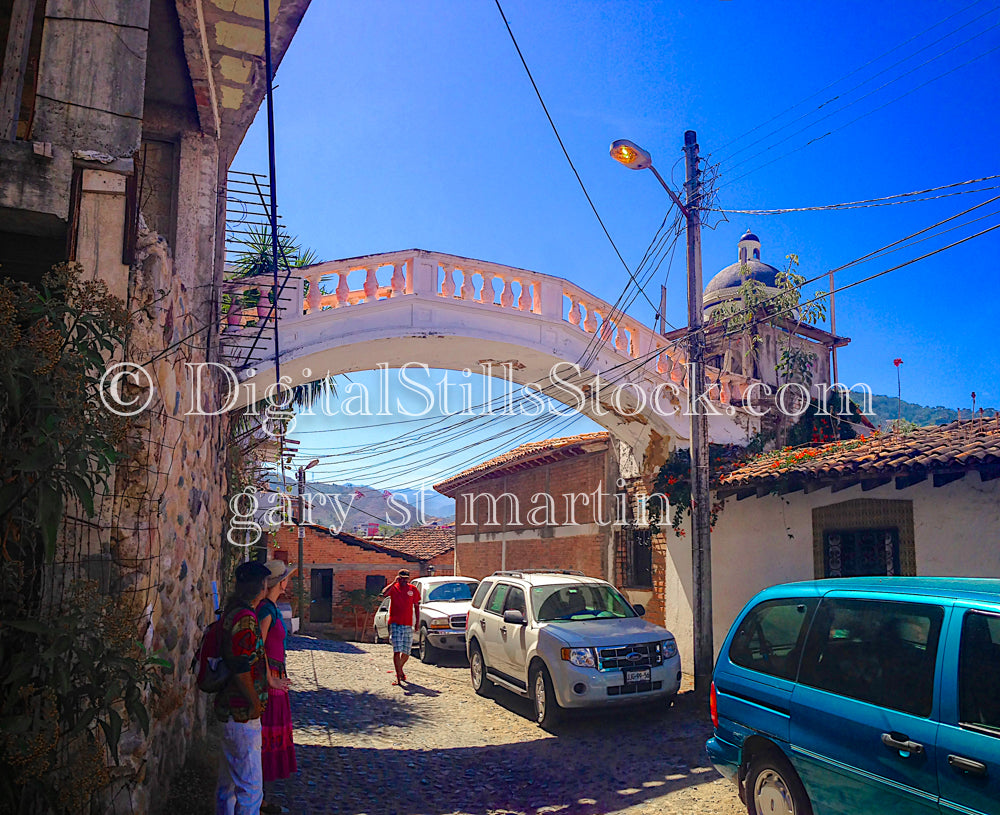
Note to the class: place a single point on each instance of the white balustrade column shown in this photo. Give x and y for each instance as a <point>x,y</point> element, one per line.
<point>524,301</point>
<point>343,290</point>
<point>507,295</point>
<point>468,288</point>
<point>574,313</point>
<point>448,281</point>
<point>371,285</point>
<point>315,293</point>
<point>398,282</point>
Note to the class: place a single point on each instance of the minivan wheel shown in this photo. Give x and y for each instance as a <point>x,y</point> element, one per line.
<point>477,669</point>
<point>773,787</point>
<point>547,710</point>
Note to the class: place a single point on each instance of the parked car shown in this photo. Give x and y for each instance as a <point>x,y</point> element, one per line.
<point>444,608</point>
<point>444,605</point>
<point>567,641</point>
<point>856,695</point>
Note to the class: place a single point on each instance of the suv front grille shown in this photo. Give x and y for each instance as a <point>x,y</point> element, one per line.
<point>640,655</point>
<point>458,621</point>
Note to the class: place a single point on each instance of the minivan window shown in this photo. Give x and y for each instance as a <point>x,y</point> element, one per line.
<point>481,592</point>
<point>495,604</point>
<point>979,672</point>
<point>771,636</point>
<point>876,651</point>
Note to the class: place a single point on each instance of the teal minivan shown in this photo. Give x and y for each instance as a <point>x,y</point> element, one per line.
<point>863,695</point>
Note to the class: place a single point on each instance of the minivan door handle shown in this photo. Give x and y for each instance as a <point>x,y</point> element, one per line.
<point>897,741</point>
<point>967,765</point>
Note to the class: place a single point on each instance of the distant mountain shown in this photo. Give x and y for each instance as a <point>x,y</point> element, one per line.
<point>886,411</point>
<point>363,504</point>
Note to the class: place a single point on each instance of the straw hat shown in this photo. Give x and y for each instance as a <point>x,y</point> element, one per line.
<point>279,570</point>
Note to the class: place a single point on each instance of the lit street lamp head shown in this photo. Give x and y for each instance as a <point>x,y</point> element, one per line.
<point>631,155</point>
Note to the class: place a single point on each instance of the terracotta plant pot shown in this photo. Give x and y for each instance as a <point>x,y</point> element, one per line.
<point>234,317</point>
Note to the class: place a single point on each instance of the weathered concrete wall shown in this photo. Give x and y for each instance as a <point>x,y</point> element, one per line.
<point>92,75</point>
<point>163,527</point>
<point>34,189</point>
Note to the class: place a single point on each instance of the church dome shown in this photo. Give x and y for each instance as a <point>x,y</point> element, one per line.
<point>729,279</point>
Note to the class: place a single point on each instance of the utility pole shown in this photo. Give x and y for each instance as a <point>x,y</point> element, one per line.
<point>301,479</point>
<point>701,541</point>
<point>635,158</point>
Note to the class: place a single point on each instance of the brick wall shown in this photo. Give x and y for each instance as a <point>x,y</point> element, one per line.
<point>537,539</point>
<point>351,565</point>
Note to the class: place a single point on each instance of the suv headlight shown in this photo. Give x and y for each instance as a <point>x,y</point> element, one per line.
<point>442,623</point>
<point>669,648</point>
<point>581,657</point>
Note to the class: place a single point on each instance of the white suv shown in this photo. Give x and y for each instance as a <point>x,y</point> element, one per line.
<point>567,641</point>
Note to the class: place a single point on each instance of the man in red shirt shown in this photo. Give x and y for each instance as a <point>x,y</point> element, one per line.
<point>404,618</point>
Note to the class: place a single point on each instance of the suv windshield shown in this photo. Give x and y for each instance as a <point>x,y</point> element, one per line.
<point>578,602</point>
<point>451,591</point>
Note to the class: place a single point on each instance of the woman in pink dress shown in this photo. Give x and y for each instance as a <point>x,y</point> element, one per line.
<point>277,751</point>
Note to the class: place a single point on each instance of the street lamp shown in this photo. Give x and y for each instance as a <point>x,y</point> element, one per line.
<point>635,158</point>
<point>301,479</point>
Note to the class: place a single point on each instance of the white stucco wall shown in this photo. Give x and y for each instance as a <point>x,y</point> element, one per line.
<point>956,533</point>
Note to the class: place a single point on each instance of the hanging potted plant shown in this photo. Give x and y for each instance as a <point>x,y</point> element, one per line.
<point>230,307</point>
<point>265,310</point>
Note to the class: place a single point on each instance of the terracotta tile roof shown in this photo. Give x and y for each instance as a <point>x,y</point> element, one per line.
<point>961,446</point>
<point>422,542</point>
<point>519,458</point>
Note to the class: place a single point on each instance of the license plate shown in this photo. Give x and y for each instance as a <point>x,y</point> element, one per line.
<point>640,675</point>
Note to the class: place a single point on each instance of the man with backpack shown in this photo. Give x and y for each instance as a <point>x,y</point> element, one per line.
<point>241,701</point>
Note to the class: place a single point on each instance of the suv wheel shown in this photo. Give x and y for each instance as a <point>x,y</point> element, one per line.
<point>774,787</point>
<point>547,710</point>
<point>428,653</point>
<point>477,668</point>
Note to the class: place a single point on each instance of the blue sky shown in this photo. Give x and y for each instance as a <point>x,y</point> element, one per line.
<point>413,124</point>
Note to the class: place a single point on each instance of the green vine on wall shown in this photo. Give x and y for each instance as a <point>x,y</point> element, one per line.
<point>72,673</point>
<point>673,480</point>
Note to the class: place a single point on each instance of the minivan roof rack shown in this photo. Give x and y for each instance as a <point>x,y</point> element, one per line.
<point>523,572</point>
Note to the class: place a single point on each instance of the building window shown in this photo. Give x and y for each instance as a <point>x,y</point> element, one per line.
<point>864,536</point>
<point>861,552</point>
<point>635,557</point>
<point>374,583</point>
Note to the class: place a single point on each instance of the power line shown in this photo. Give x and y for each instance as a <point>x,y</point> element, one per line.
<point>870,79</point>
<point>555,130</point>
<point>873,202</point>
<point>850,74</point>
<point>848,124</point>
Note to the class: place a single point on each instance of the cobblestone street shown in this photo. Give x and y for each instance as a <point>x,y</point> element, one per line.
<point>433,746</point>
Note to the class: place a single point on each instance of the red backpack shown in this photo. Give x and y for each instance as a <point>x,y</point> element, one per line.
<point>212,670</point>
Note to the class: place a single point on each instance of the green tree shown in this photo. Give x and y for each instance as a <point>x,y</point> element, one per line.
<point>754,306</point>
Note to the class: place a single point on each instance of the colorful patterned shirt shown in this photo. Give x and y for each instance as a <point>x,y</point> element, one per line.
<point>243,651</point>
